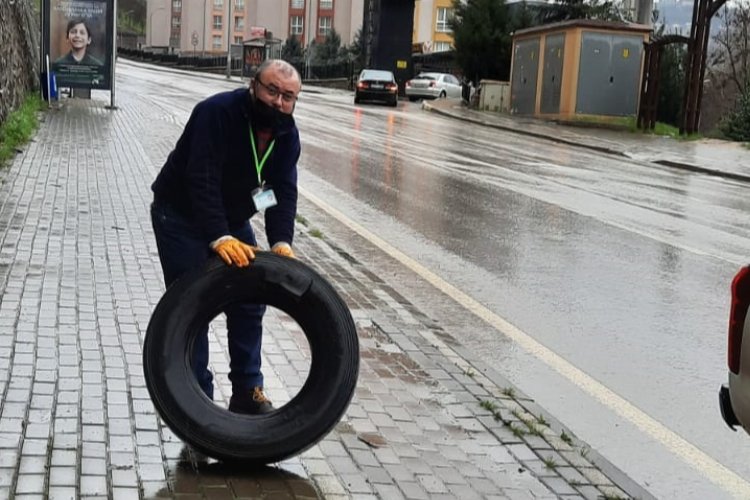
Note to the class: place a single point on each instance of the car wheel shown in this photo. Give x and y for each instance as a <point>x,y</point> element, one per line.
<point>356,100</point>
<point>192,301</point>
<point>412,99</point>
<point>442,95</point>
<point>394,103</point>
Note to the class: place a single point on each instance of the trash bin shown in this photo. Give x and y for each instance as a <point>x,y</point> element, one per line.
<point>51,92</point>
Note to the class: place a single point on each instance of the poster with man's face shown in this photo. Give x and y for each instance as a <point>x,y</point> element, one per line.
<point>79,42</point>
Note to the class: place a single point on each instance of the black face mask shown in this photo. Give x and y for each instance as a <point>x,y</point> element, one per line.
<point>265,116</point>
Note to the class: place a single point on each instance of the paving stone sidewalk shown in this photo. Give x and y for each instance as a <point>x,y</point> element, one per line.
<point>79,277</point>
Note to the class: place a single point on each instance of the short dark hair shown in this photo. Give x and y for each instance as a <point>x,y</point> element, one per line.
<point>74,22</point>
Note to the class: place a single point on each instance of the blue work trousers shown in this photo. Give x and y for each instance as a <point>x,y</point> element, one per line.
<point>181,248</point>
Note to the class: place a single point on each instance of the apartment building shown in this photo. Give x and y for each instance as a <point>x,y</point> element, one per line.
<point>432,31</point>
<point>204,26</point>
<point>200,26</point>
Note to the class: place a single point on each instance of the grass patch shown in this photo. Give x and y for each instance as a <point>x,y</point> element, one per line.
<point>508,391</point>
<point>630,123</point>
<point>488,405</point>
<point>19,127</point>
<point>626,122</point>
<point>671,131</point>
<point>550,463</point>
<point>494,409</point>
<point>517,431</point>
<point>301,220</point>
<point>532,427</point>
<point>566,438</point>
<point>542,421</point>
<point>316,233</point>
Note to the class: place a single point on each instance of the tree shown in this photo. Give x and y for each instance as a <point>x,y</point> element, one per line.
<point>728,70</point>
<point>737,124</point>
<point>671,83</point>
<point>481,37</point>
<point>524,16</point>
<point>672,67</point>
<point>292,50</point>
<point>730,59</point>
<point>330,50</point>
<point>563,10</point>
<point>357,48</point>
<point>131,15</point>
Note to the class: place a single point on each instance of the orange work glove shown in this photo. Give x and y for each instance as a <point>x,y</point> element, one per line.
<point>284,250</point>
<point>234,252</point>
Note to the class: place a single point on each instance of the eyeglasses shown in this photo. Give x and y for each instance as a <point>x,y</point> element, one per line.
<point>274,92</point>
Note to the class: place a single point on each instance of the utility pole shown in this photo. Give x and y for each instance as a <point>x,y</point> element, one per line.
<point>308,32</point>
<point>229,38</point>
<point>203,37</point>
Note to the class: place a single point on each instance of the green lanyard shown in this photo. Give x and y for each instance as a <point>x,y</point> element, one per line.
<point>259,166</point>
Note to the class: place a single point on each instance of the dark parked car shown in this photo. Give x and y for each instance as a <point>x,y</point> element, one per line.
<point>376,85</point>
<point>734,396</point>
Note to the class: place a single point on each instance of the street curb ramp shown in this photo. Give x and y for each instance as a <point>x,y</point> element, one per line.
<point>193,301</point>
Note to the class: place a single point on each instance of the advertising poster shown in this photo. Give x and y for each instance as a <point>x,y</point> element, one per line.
<point>253,56</point>
<point>79,42</point>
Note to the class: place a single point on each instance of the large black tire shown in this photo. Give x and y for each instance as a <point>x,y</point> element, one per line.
<point>195,300</point>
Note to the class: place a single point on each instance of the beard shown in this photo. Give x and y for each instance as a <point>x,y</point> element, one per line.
<point>265,116</point>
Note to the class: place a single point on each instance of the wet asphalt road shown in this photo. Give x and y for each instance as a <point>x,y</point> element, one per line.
<point>620,267</point>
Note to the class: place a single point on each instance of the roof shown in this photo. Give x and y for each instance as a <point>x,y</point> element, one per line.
<point>585,23</point>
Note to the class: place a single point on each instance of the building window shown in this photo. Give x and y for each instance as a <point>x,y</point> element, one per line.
<point>239,4</point>
<point>444,16</point>
<point>218,4</point>
<point>441,46</point>
<point>175,22</point>
<point>324,26</point>
<point>296,24</point>
<point>238,40</point>
<point>239,23</point>
<point>217,41</point>
<point>326,4</point>
<point>176,4</point>
<point>298,4</point>
<point>217,22</point>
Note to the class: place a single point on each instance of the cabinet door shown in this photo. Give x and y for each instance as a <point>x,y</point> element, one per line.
<point>608,75</point>
<point>595,79</point>
<point>554,47</point>
<point>525,68</point>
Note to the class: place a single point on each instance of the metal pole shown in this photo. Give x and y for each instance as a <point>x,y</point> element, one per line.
<point>308,33</point>
<point>114,58</point>
<point>203,52</point>
<point>229,39</point>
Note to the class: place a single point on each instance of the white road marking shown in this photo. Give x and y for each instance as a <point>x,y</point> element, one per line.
<point>687,452</point>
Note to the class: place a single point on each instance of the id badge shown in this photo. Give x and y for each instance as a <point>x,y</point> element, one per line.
<point>264,198</point>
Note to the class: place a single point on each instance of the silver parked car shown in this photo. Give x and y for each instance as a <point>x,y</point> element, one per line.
<point>734,397</point>
<point>433,86</point>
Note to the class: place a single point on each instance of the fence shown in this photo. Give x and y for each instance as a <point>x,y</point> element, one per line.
<point>344,71</point>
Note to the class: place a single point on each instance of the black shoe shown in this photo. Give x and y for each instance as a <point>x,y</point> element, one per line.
<point>255,403</point>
